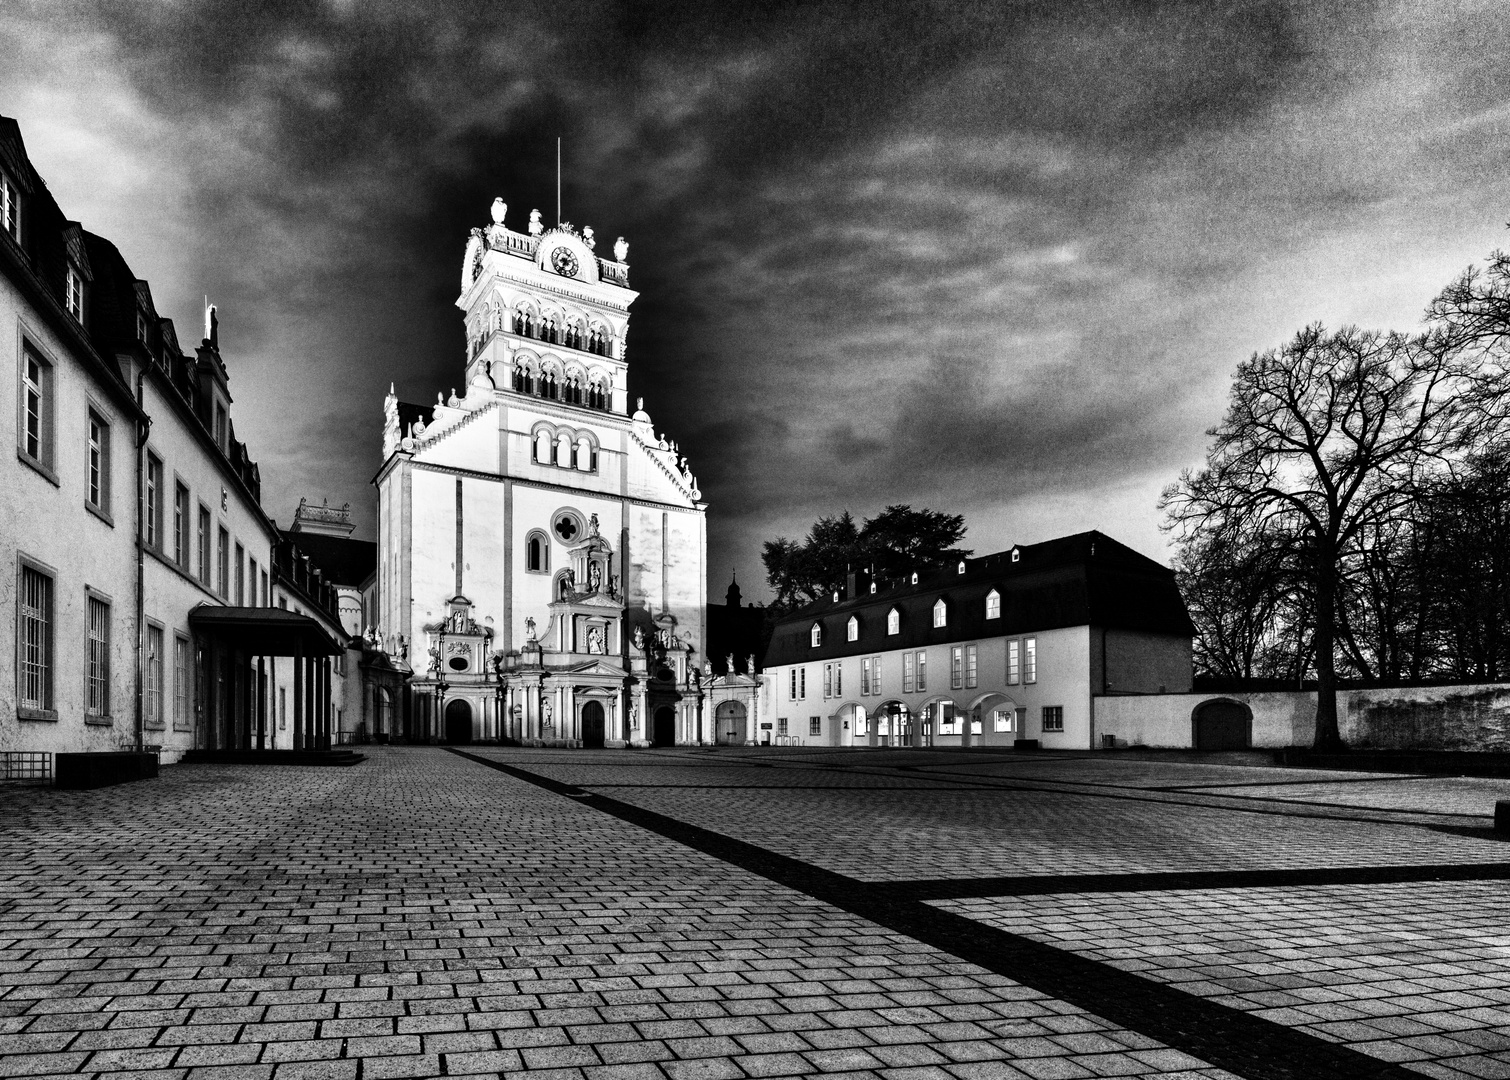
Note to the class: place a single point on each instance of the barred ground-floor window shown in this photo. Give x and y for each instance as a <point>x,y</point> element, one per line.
<point>34,677</point>
<point>97,660</point>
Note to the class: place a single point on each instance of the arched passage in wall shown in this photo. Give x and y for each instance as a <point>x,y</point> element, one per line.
<point>1222,724</point>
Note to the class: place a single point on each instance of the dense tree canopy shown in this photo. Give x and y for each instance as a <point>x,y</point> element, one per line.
<point>897,540</point>
<point>1353,503</point>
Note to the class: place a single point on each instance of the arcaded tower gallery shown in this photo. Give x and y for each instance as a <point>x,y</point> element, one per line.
<point>541,551</point>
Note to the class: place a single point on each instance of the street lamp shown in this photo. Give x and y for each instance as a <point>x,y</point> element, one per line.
<point>440,684</point>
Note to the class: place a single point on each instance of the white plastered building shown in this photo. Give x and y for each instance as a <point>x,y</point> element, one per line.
<point>541,550</point>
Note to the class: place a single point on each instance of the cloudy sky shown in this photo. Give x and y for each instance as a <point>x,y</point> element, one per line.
<point>997,259</point>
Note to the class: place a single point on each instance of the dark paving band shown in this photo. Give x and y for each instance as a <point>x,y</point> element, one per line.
<point>1047,884</point>
<point>1227,1038</point>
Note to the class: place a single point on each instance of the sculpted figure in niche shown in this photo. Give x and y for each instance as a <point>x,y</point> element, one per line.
<point>545,715</point>
<point>594,576</point>
<point>595,640</point>
<point>529,628</point>
<point>639,638</point>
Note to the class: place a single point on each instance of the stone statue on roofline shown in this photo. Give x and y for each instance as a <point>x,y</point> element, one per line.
<point>621,249</point>
<point>536,225</point>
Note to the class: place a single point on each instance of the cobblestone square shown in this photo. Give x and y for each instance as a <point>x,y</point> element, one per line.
<point>755,913</point>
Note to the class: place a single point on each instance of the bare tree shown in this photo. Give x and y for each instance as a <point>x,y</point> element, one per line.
<point>1322,437</point>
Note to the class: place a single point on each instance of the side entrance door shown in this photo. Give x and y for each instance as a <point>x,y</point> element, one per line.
<point>458,722</point>
<point>1222,725</point>
<point>663,733</point>
<point>592,726</point>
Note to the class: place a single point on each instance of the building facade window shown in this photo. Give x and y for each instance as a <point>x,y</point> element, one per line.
<point>264,588</point>
<point>36,423</point>
<point>97,485</point>
<point>815,725</point>
<point>798,684</point>
<point>828,680</point>
<point>972,666</point>
<point>240,575</point>
<point>537,553</point>
<point>1029,660</point>
<point>893,622</point>
<point>204,546</point>
<point>73,293</point>
<point>34,653</point>
<point>97,660</point>
<point>781,725</point>
<point>940,614</point>
<point>181,714</point>
<point>154,515</point>
<point>180,525</point>
<point>815,636</point>
<point>957,667</point>
<point>1014,662</point>
<point>152,703</point>
<point>10,208</point>
<point>852,629</point>
<point>993,604</point>
<point>922,672</point>
<point>1002,720</point>
<point>223,563</point>
<point>864,675</point>
<point>1053,718</point>
<point>909,673</point>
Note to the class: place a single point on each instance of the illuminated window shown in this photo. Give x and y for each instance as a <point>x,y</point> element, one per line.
<point>852,629</point>
<point>815,636</point>
<point>993,604</point>
<point>1030,660</point>
<point>893,621</point>
<point>940,613</point>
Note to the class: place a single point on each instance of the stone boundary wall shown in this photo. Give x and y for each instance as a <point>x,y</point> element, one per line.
<point>1473,717</point>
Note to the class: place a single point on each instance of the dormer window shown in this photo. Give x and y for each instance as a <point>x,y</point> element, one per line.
<point>852,629</point>
<point>220,426</point>
<point>73,293</point>
<point>1017,554</point>
<point>872,588</point>
<point>815,636</point>
<point>962,566</point>
<point>141,327</point>
<point>893,622</point>
<point>993,604</point>
<point>940,613</point>
<point>914,577</point>
<point>10,208</point>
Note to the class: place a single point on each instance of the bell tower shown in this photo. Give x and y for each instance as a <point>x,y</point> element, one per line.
<point>546,316</point>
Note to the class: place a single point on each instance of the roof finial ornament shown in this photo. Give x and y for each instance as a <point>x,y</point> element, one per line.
<point>536,225</point>
<point>587,237</point>
<point>621,249</point>
<point>639,404</point>
<point>500,210</point>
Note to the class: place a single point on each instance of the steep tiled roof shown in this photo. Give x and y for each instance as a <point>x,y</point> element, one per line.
<point>1084,579</point>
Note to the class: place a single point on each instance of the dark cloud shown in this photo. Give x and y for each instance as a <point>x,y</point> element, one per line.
<point>996,259</point>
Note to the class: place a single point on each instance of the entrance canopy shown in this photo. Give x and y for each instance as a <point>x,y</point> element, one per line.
<point>261,631</point>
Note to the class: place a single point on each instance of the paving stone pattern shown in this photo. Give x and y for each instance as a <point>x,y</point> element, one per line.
<point>420,915</point>
<point>1416,974</point>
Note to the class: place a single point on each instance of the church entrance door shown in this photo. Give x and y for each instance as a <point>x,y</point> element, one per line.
<point>592,726</point>
<point>664,731</point>
<point>458,722</point>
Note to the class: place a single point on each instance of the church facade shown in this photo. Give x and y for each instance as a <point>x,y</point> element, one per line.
<point>541,548</point>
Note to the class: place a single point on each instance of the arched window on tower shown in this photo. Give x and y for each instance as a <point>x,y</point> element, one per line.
<point>522,382</point>
<point>548,386</point>
<point>584,454</point>
<point>543,447</point>
<point>563,450</point>
<point>596,398</point>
